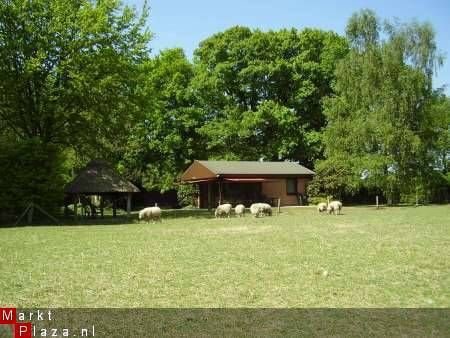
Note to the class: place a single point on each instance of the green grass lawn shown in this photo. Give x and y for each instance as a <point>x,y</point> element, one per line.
<point>394,257</point>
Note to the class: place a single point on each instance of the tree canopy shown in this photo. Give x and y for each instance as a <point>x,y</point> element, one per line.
<point>78,81</point>
<point>68,69</point>
<point>165,141</point>
<point>381,123</point>
<point>248,94</point>
<point>262,91</point>
<point>68,83</point>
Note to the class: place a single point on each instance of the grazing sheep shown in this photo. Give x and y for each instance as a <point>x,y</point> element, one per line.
<point>321,207</point>
<point>259,209</point>
<point>223,210</point>
<point>239,210</point>
<point>266,209</point>
<point>254,209</point>
<point>150,213</point>
<point>334,207</point>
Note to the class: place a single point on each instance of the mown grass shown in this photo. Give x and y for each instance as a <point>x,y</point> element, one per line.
<point>394,257</point>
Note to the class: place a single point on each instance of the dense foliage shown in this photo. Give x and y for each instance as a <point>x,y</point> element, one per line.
<point>77,81</point>
<point>262,91</point>
<point>31,171</point>
<point>165,140</point>
<point>68,72</point>
<point>384,129</point>
<point>68,69</point>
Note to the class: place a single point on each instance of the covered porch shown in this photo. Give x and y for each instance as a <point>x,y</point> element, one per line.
<point>247,182</point>
<point>234,191</point>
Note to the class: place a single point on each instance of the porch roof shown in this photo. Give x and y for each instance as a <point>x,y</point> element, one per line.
<point>211,170</point>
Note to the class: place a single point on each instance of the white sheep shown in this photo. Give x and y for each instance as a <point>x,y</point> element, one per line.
<point>239,210</point>
<point>334,207</point>
<point>255,209</point>
<point>321,207</point>
<point>150,213</point>
<point>259,209</point>
<point>266,209</point>
<point>223,210</point>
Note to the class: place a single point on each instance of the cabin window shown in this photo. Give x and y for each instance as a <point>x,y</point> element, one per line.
<point>291,186</point>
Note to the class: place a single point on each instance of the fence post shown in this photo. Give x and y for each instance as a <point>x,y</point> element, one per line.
<point>30,213</point>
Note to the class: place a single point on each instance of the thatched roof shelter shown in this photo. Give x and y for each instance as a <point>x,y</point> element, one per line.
<point>98,177</point>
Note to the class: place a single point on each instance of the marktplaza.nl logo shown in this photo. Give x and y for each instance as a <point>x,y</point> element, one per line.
<point>217,322</point>
<point>36,323</point>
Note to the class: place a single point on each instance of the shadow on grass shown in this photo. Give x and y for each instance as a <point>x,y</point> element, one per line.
<point>110,220</point>
<point>193,213</point>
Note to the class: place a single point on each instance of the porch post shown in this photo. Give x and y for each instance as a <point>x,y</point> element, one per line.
<point>220,191</point>
<point>198,196</point>
<point>209,195</point>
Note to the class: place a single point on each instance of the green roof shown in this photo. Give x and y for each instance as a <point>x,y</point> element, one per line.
<point>255,168</point>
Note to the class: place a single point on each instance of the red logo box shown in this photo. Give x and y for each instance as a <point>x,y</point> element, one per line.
<point>22,330</point>
<point>8,316</point>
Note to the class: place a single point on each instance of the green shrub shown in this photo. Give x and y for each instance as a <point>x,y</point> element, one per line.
<point>314,200</point>
<point>30,171</point>
<point>186,194</point>
<point>436,189</point>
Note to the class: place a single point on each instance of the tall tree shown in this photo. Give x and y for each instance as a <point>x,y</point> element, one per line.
<point>262,91</point>
<point>68,79</point>
<point>441,116</point>
<point>68,68</point>
<point>161,145</point>
<point>380,122</point>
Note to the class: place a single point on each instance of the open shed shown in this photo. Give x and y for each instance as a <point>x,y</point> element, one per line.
<point>247,182</point>
<point>100,179</point>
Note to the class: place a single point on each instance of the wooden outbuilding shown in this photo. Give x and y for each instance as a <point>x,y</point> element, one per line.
<point>248,182</point>
<point>99,179</point>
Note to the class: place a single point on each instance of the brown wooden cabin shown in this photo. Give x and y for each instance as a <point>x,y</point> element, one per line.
<point>248,182</point>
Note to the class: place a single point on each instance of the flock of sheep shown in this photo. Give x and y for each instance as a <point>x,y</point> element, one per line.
<point>224,210</point>
<point>256,209</point>
<point>333,207</point>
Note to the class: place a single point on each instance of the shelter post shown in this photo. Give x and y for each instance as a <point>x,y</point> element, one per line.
<point>129,204</point>
<point>114,205</point>
<point>102,205</point>
<point>75,206</point>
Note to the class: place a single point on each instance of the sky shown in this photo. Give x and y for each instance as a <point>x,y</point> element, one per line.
<point>181,23</point>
